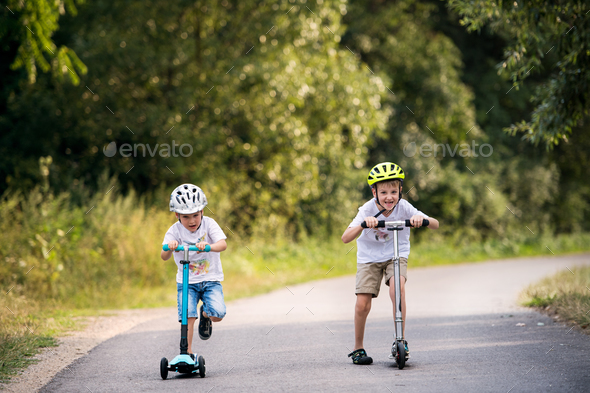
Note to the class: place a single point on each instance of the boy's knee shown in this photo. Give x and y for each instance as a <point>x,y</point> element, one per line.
<point>363,303</point>
<point>215,319</point>
<point>402,283</point>
<point>363,308</point>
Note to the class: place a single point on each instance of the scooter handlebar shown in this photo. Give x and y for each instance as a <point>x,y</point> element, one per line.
<point>380,224</point>
<point>383,223</point>
<point>190,248</point>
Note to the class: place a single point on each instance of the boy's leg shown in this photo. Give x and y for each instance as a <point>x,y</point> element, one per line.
<point>191,329</point>
<point>213,319</point>
<point>191,311</point>
<point>368,281</point>
<point>213,307</point>
<point>361,311</point>
<point>213,301</point>
<point>403,269</point>
<point>403,298</point>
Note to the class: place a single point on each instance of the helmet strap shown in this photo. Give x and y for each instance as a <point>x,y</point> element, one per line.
<point>381,212</point>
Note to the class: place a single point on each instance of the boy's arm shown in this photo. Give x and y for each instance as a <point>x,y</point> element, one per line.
<point>433,223</point>
<point>218,246</point>
<point>417,219</point>
<point>351,233</point>
<point>165,255</point>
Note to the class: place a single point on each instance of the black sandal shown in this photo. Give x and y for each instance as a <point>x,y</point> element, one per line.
<point>205,326</point>
<point>360,357</point>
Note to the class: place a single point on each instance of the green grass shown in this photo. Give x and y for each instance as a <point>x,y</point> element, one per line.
<point>16,352</point>
<point>27,327</point>
<point>566,293</point>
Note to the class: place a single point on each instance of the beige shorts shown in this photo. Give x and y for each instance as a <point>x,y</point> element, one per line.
<point>369,275</point>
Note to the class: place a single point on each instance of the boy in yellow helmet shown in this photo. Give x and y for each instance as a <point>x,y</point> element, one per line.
<point>375,245</point>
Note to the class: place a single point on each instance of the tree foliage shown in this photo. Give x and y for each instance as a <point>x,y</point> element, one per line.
<point>284,106</point>
<point>273,108</point>
<point>28,26</point>
<point>543,37</point>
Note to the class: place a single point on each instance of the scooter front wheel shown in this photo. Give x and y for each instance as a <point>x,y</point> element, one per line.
<point>401,355</point>
<point>201,361</point>
<point>164,368</point>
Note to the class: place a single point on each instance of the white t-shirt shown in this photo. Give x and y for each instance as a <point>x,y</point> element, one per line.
<point>204,266</point>
<point>376,244</point>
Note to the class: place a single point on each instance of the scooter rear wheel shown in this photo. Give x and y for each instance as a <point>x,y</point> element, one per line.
<point>401,355</point>
<point>164,368</point>
<point>201,361</point>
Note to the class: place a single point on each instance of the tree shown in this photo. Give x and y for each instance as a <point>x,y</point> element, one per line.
<point>26,29</point>
<point>275,111</point>
<point>544,36</point>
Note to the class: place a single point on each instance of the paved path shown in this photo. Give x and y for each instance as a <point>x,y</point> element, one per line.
<point>462,329</point>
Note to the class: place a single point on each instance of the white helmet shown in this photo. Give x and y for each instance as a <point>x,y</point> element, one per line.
<point>187,198</point>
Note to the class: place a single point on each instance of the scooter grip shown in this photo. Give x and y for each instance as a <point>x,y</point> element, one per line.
<point>380,224</point>
<point>190,248</point>
<point>425,223</point>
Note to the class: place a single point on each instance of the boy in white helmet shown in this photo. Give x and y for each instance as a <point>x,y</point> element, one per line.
<point>375,247</point>
<point>205,272</point>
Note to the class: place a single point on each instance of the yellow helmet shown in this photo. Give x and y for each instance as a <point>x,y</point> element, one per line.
<point>385,171</point>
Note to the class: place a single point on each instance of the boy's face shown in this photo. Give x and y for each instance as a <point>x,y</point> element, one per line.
<point>388,194</point>
<point>190,221</point>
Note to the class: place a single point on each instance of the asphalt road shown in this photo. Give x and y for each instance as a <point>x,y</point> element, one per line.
<point>461,327</point>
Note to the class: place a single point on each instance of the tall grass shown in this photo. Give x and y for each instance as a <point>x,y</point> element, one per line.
<point>105,253</point>
<point>565,293</point>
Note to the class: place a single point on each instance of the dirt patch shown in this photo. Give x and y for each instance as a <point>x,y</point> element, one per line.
<point>77,344</point>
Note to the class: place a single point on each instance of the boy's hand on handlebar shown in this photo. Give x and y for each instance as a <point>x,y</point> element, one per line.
<point>371,222</point>
<point>416,221</point>
<point>172,245</point>
<point>201,246</point>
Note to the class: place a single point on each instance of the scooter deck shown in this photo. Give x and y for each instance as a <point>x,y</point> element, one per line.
<point>184,364</point>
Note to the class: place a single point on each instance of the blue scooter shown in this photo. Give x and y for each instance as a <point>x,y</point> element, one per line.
<point>184,363</point>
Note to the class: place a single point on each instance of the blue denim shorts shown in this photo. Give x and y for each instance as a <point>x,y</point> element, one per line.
<point>209,292</point>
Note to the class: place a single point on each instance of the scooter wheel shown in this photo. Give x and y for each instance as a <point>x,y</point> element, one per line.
<point>401,355</point>
<point>201,366</point>
<point>164,368</point>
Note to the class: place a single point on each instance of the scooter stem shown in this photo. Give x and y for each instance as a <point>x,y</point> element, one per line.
<point>184,324</point>
<point>399,328</point>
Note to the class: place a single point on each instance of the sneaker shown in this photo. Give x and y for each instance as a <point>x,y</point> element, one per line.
<point>205,326</point>
<point>360,357</point>
<point>407,350</point>
<point>393,353</point>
